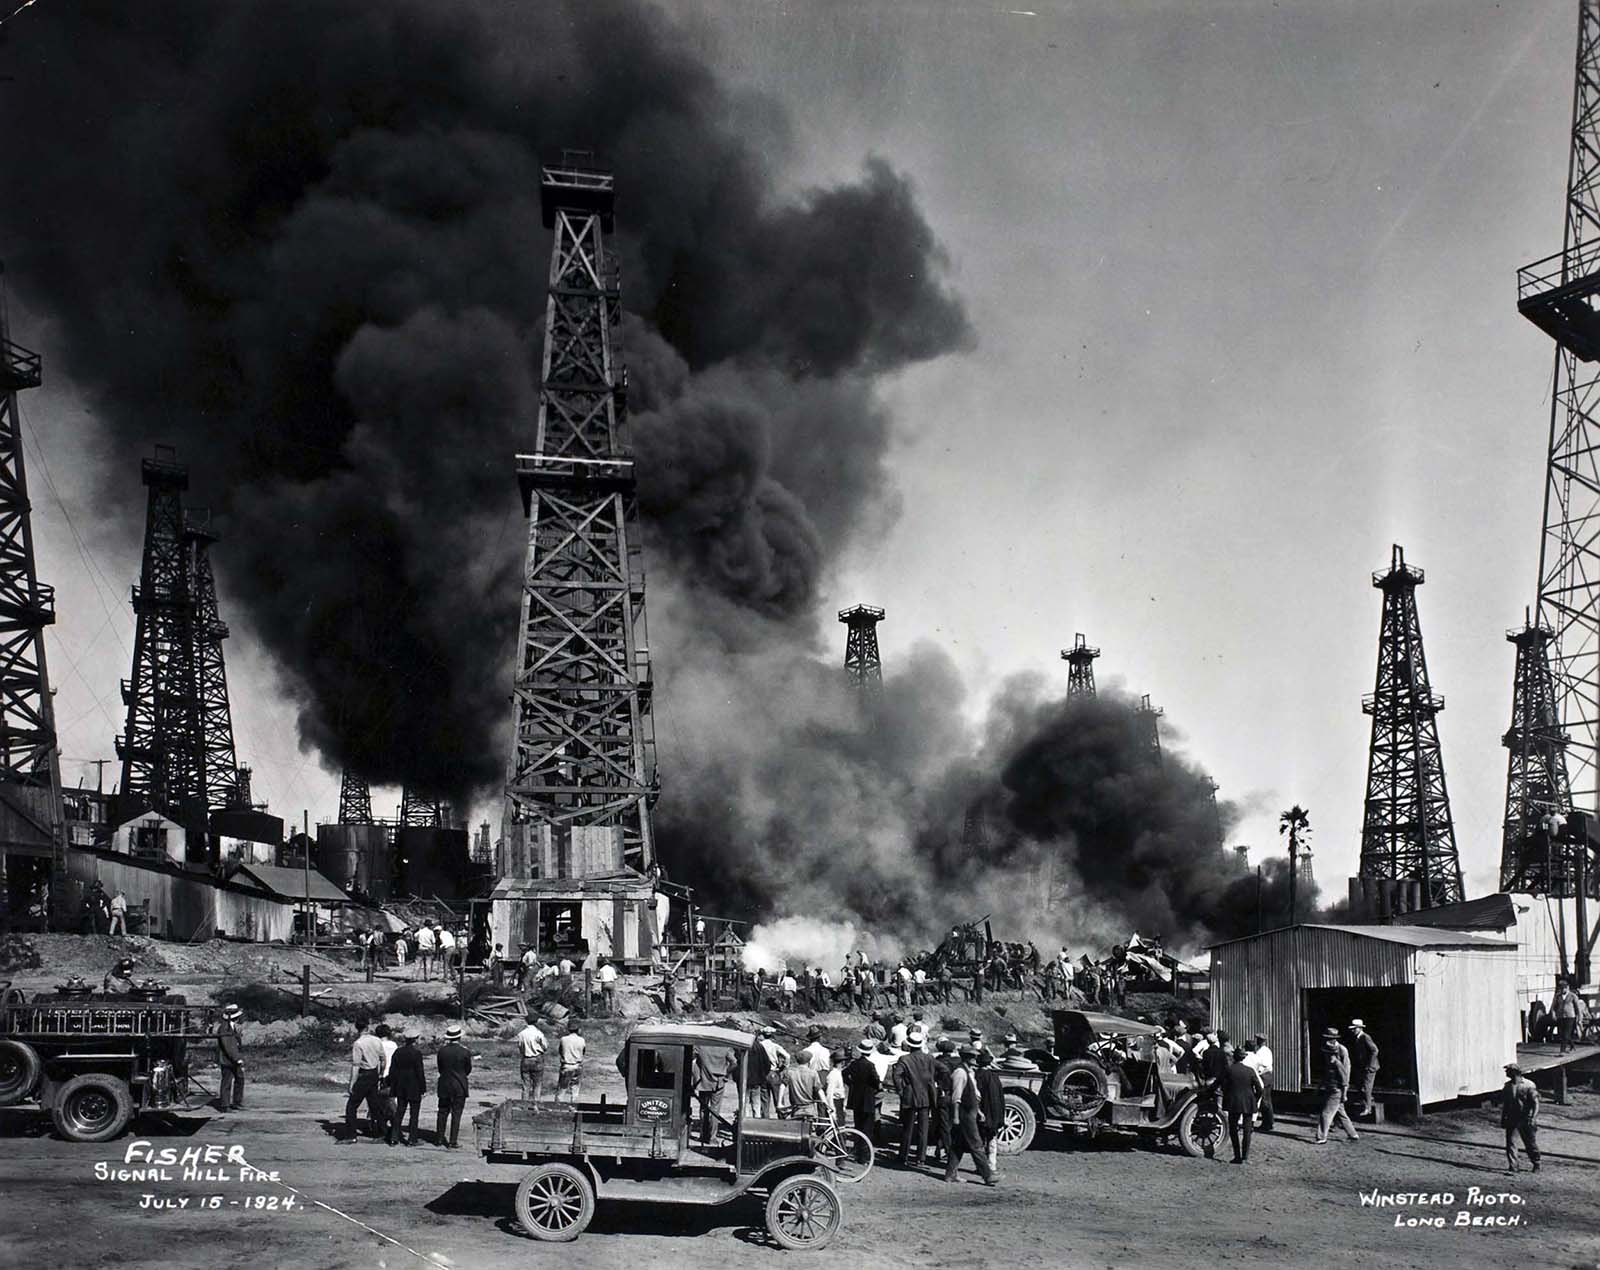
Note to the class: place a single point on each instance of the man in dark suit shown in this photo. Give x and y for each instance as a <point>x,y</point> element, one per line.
<point>863,1083</point>
<point>230,1060</point>
<point>916,1076</point>
<point>408,1081</point>
<point>992,1102</point>
<point>1214,1062</point>
<point>1241,1087</point>
<point>455,1067</point>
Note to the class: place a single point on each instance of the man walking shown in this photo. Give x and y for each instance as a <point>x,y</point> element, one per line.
<point>916,1080</point>
<point>570,1078</point>
<point>1241,1085</point>
<point>366,1069</point>
<point>1519,1115</point>
<point>992,1102</point>
<point>1335,1085</point>
<point>1260,1058</point>
<point>1364,1063</point>
<point>532,1044</point>
<point>230,1059</point>
<point>408,1081</point>
<point>967,1105</point>
<point>455,1070</point>
<point>119,913</point>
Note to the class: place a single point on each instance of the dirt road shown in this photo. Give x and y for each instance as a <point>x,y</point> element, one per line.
<point>1059,1205</point>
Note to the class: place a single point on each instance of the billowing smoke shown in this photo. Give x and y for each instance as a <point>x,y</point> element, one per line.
<point>301,242</point>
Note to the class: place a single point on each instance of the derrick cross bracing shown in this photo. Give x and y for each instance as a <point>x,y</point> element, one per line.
<point>355,799</point>
<point>220,770</point>
<point>415,811</point>
<point>1149,718</point>
<point>1080,668</point>
<point>1406,830</point>
<point>1561,295</point>
<point>29,758</point>
<point>863,665</point>
<point>163,747</point>
<point>583,752</point>
<point>1536,772</point>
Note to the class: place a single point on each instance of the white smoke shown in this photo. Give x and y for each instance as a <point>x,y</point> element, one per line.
<point>809,941</point>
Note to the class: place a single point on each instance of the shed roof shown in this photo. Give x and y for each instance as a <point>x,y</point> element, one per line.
<point>1487,912</point>
<point>1410,936</point>
<point>624,881</point>
<point>292,883</point>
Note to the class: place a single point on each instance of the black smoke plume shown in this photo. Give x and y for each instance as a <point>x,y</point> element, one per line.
<point>300,241</point>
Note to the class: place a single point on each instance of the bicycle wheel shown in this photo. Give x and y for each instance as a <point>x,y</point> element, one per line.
<point>847,1153</point>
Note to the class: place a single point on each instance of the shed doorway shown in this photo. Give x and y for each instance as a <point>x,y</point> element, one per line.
<point>1389,1015</point>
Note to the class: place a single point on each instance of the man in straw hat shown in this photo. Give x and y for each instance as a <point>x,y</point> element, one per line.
<point>230,1059</point>
<point>1364,1063</point>
<point>455,1069</point>
<point>1519,1114</point>
<point>916,1079</point>
<point>863,1083</point>
<point>1335,1085</point>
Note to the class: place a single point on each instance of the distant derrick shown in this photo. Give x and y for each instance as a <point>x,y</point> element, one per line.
<point>1080,673</point>
<point>863,666</point>
<point>1407,832</point>
<point>1536,773</point>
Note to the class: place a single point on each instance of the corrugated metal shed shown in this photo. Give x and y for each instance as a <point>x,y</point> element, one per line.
<point>292,883</point>
<point>1446,1032</point>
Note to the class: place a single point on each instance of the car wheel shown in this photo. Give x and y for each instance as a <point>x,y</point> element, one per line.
<point>804,1212</point>
<point>93,1107</point>
<point>1018,1126</point>
<point>1200,1129</point>
<point>555,1203</point>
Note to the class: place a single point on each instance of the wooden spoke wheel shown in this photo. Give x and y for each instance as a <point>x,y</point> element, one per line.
<point>555,1203</point>
<point>1018,1126</point>
<point>804,1212</point>
<point>1200,1129</point>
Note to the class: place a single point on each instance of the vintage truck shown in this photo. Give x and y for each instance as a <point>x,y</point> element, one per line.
<point>640,1150</point>
<point>94,1062</point>
<point>1105,1075</point>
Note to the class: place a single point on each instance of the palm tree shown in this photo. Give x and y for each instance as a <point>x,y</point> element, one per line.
<point>1294,822</point>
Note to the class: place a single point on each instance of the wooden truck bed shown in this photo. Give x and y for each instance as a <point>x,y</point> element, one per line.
<point>517,1128</point>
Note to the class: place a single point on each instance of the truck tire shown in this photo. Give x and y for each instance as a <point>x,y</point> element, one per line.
<point>94,1107</point>
<point>1079,1086</point>
<point>1018,1126</point>
<point>19,1072</point>
<point>555,1203</point>
<point>1200,1128</point>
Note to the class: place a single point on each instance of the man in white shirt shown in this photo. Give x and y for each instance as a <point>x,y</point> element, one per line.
<point>897,1035</point>
<point>606,976</point>
<point>447,949</point>
<point>902,980</point>
<point>119,914</point>
<point>401,950</point>
<point>570,1077</point>
<point>821,1058</point>
<point>565,967</point>
<point>1259,1059</point>
<point>532,1045</point>
<point>787,986</point>
<point>425,944</point>
<point>919,990</point>
<point>772,1096</point>
<point>367,1062</point>
<point>528,968</point>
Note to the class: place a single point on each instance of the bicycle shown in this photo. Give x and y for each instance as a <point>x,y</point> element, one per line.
<point>847,1153</point>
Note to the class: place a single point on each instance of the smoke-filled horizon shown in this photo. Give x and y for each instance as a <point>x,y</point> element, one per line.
<point>301,242</point>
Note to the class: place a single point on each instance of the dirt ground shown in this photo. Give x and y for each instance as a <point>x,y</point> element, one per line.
<point>1064,1203</point>
<point>1060,1204</point>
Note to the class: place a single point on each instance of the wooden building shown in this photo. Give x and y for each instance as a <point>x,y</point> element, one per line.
<point>608,915</point>
<point>1441,1004</point>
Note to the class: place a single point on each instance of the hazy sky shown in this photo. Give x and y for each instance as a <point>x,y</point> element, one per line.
<point>1243,279</point>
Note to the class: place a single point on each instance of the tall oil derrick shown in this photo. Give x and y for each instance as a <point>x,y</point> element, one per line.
<point>863,666</point>
<point>581,781</point>
<point>1216,813</point>
<point>30,770</point>
<point>242,797</point>
<point>355,800</point>
<point>415,810</point>
<point>1536,772</point>
<point>163,747</point>
<point>220,764</point>
<point>1149,726</point>
<point>1406,831</point>
<point>1080,668</point>
<point>1561,295</point>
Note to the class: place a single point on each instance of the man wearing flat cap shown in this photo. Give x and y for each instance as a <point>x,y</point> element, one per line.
<point>1335,1085</point>
<point>1519,1115</point>
<point>966,1102</point>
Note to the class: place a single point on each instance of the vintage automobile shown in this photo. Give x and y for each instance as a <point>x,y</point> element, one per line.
<point>640,1150</point>
<point>94,1061</point>
<point>1105,1074</point>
